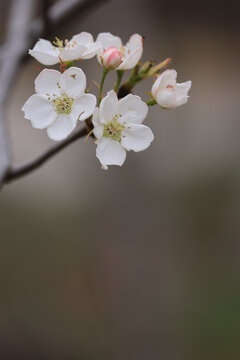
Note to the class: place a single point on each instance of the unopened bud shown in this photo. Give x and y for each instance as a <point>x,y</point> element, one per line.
<point>111,58</point>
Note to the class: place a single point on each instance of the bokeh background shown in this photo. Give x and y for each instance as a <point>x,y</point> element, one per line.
<point>139,262</point>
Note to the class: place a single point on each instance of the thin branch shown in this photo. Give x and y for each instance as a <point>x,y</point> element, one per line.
<point>20,170</point>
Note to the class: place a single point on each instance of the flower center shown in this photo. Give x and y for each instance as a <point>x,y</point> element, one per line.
<point>63,104</point>
<point>113,129</point>
<point>122,51</point>
<point>58,43</point>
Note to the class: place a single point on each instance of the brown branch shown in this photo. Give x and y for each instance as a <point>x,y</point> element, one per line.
<point>20,170</point>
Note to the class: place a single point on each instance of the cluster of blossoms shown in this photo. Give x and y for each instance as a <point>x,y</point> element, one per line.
<point>61,98</point>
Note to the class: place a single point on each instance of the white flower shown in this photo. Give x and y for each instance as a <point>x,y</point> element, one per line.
<point>81,46</point>
<point>60,101</point>
<point>131,52</point>
<point>168,93</point>
<point>118,127</point>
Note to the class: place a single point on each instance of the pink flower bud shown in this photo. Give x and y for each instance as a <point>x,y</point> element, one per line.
<point>111,58</point>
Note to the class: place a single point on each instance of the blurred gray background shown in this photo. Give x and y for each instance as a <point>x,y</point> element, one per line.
<point>139,262</point>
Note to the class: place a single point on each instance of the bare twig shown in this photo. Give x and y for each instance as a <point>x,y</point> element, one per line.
<point>17,171</point>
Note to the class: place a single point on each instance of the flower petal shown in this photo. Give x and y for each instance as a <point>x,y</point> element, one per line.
<point>168,78</point>
<point>72,52</point>
<point>98,127</point>
<point>182,92</point>
<point>73,82</point>
<point>130,61</point>
<point>133,52</point>
<point>183,88</point>
<point>156,86</point>
<point>136,137</point>
<point>108,40</point>
<point>62,127</point>
<point>84,107</point>
<point>132,109</point>
<point>108,107</point>
<point>92,50</point>
<point>84,38</point>
<point>45,52</point>
<point>110,152</point>
<point>135,42</point>
<point>47,82</point>
<point>166,98</point>
<point>39,110</point>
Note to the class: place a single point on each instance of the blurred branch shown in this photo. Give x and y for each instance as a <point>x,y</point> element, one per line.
<point>59,13</point>
<point>21,33</point>
<point>16,42</point>
<point>17,171</point>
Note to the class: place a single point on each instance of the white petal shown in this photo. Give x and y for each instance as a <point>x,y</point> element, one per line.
<point>92,50</point>
<point>133,52</point>
<point>110,152</point>
<point>45,52</point>
<point>47,82</point>
<point>168,78</point>
<point>98,127</point>
<point>135,42</point>
<point>84,38</point>
<point>182,92</point>
<point>183,88</point>
<point>166,98</point>
<point>72,52</point>
<point>39,110</point>
<point>130,61</point>
<point>181,100</point>
<point>107,40</point>
<point>156,86</point>
<point>73,82</point>
<point>136,137</point>
<point>84,107</point>
<point>132,109</point>
<point>62,127</point>
<point>108,107</point>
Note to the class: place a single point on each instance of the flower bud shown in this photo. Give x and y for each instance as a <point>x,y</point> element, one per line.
<point>168,93</point>
<point>111,58</point>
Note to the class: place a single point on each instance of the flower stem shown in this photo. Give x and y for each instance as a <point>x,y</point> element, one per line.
<point>105,71</point>
<point>119,78</point>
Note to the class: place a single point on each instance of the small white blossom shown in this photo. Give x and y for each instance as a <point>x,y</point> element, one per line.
<point>131,52</point>
<point>118,127</point>
<point>81,46</point>
<point>168,93</point>
<point>60,101</point>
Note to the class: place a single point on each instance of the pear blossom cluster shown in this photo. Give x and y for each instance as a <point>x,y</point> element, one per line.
<point>115,121</point>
